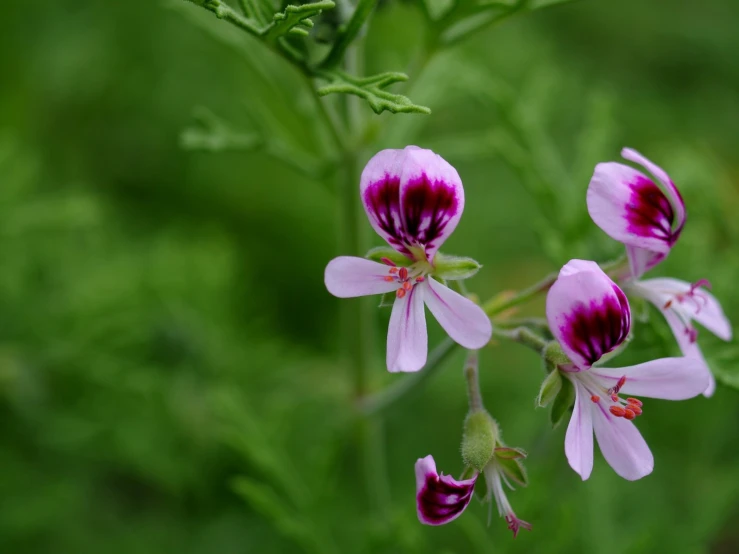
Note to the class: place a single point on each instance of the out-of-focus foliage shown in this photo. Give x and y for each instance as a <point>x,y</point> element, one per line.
<point>170,378</point>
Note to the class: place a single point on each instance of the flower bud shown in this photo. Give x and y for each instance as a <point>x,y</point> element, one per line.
<point>562,403</point>
<point>454,268</point>
<point>549,388</point>
<point>478,442</point>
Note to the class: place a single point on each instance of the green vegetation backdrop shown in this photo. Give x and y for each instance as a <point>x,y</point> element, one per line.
<point>170,373</point>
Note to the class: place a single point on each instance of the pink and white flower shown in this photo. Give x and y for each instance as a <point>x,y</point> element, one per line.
<point>590,317</point>
<point>440,498</point>
<point>414,200</point>
<point>648,220</point>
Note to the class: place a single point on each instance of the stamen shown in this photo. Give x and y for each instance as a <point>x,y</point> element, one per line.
<point>388,261</point>
<point>615,398</point>
<point>620,383</point>
<point>595,398</point>
<point>634,408</point>
<point>400,293</point>
<point>629,414</point>
<point>393,270</point>
<point>636,401</point>
<point>407,286</point>
<point>420,279</point>
<point>618,411</point>
<point>389,278</point>
<point>403,273</point>
<point>667,304</point>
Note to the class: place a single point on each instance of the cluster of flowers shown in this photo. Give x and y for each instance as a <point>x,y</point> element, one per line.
<point>414,200</point>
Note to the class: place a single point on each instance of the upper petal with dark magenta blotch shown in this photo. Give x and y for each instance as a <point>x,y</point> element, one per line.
<point>440,498</point>
<point>587,312</point>
<point>431,199</point>
<point>631,208</point>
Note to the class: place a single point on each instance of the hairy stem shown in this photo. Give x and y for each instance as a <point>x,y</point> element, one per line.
<point>522,335</point>
<point>471,374</point>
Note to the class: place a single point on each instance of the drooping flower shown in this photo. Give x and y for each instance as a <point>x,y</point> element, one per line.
<point>504,467</point>
<point>590,317</point>
<point>414,200</point>
<point>648,220</point>
<point>440,498</point>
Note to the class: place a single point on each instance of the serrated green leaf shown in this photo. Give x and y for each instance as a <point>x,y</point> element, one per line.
<point>562,403</point>
<point>371,90</point>
<point>549,389</point>
<point>294,18</point>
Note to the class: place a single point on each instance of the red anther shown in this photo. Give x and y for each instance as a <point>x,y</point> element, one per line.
<point>387,261</point>
<point>618,411</point>
<point>407,286</point>
<point>389,278</point>
<point>620,383</point>
<point>667,304</point>
<point>393,270</point>
<point>629,414</point>
<point>420,279</point>
<point>403,274</point>
<point>615,397</point>
<point>595,398</point>
<point>635,401</point>
<point>400,293</point>
<point>634,408</point>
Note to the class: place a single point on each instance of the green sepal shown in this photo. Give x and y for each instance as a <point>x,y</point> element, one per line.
<point>454,268</point>
<point>562,403</point>
<point>508,453</point>
<point>479,438</point>
<point>549,389</point>
<point>553,353</point>
<point>514,470</point>
<point>377,255</point>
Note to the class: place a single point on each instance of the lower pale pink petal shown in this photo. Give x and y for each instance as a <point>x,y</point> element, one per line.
<point>667,378</point>
<point>440,498</point>
<point>629,207</point>
<point>641,260</point>
<point>347,277</point>
<point>700,304</point>
<point>464,320</point>
<point>622,445</point>
<point>579,437</point>
<point>407,340</point>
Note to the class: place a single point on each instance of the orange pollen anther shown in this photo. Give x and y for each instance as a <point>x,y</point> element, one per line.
<point>629,414</point>
<point>634,408</point>
<point>595,398</point>
<point>403,274</point>
<point>389,278</point>
<point>420,279</point>
<point>393,270</point>
<point>618,411</point>
<point>634,401</point>
<point>400,293</point>
<point>615,397</point>
<point>407,286</point>
<point>620,383</point>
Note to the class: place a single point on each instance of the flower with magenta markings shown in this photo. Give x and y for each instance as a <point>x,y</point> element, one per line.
<point>648,220</point>
<point>414,200</point>
<point>590,317</point>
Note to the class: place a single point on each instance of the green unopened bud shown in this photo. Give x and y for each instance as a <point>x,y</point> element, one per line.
<point>549,389</point>
<point>454,268</point>
<point>553,353</point>
<point>562,403</point>
<point>478,442</point>
<point>383,254</point>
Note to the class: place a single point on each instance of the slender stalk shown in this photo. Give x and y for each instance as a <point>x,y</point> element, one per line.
<point>522,335</point>
<point>347,36</point>
<point>471,374</point>
<point>499,304</point>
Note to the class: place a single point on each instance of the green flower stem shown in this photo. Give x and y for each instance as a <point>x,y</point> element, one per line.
<point>473,382</point>
<point>499,304</point>
<point>347,36</point>
<point>522,335</point>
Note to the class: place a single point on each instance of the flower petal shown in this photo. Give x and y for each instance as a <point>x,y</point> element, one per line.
<point>431,199</point>
<point>379,188</point>
<point>440,498</point>
<point>587,312</point>
<point>407,340</point>
<point>579,437</point>
<point>689,347</point>
<point>464,320</point>
<point>702,306</point>
<point>347,277</point>
<point>676,198</point>
<point>622,445</point>
<point>630,208</point>
<point>641,260</point>
<point>668,378</point>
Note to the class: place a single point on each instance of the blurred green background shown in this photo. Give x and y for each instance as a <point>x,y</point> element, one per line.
<point>170,369</point>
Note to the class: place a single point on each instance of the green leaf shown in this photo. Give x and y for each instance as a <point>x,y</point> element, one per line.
<point>371,90</point>
<point>214,134</point>
<point>562,404</point>
<point>295,19</point>
<point>549,389</point>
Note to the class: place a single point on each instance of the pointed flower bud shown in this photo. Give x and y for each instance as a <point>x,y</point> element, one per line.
<point>478,442</point>
<point>454,268</point>
<point>549,389</point>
